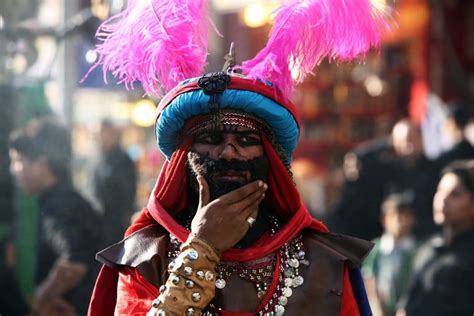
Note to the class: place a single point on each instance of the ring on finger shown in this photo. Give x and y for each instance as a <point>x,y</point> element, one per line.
<point>251,221</point>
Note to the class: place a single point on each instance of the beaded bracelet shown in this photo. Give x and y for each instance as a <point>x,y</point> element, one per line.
<point>191,282</point>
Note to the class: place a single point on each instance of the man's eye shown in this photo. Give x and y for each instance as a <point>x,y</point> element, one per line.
<point>249,140</point>
<point>208,139</point>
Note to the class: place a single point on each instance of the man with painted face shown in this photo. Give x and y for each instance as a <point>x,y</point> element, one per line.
<point>225,231</point>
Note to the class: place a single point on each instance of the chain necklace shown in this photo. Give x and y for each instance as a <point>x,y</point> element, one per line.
<point>259,273</point>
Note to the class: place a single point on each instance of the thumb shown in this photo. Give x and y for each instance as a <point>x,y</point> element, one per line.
<point>203,191</point>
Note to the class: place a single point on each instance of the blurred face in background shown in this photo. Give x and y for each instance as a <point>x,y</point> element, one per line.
<point>406,139</point>
<point>453,204</point>
<point>351,167</point>
<point>109,138</point>
<point>398,223</point>
<point>29,173</point>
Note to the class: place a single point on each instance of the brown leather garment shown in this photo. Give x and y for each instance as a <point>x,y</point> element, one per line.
<point>146,250</point>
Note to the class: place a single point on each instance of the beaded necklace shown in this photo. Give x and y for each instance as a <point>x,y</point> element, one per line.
<point>291,258</point>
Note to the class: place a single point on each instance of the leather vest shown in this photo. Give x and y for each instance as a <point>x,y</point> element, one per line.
<point>321,293</point>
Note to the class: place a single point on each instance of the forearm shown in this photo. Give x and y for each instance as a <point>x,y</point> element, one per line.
<point>191,282</point>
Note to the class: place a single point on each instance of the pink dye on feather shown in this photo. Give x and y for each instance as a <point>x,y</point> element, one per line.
<point>307,31</point>
<point>158,43</point>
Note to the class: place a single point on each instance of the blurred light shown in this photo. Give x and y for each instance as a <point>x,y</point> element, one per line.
<point>122,111</point>
<point>116,6</point>
<point>295,69</point>
<point>49,13</point>
<point>340,93</point>
<point>143,113</point>
<point>2,23</point>
<point>100,8</point>
<point>295,73</point>
<point>91,56</point>
<point>230,6</point>
<point>359,73</point>
<point>379,4</point>
<point>255,15</point>
<point>374,86</point>
<point>19,63</point>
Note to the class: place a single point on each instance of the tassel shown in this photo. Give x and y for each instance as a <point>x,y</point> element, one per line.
<point>307,31</point>
<point>158,43</point>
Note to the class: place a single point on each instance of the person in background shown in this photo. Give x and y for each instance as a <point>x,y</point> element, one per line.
<point>387,269</point>
<point>443,270</point>
<point>114,184</point>
<point>454,129</point>
<point>67,236</point>
<point>381,167</point>
<point>412,172</point>
<point>357,210</point>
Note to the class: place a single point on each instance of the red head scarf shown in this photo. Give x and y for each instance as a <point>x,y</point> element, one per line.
<point>170,196</point>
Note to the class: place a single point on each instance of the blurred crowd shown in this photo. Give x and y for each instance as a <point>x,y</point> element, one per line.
<point>420,214</point>
<point>69,230</point>
<point>418,211</point>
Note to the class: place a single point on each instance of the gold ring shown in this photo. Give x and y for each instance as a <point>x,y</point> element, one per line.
<point>251,221</point>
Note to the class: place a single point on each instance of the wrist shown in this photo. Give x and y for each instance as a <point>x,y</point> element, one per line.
<point>196,241</point>
<point>191,282</point>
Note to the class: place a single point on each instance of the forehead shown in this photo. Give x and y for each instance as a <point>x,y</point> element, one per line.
<point>450,181</point>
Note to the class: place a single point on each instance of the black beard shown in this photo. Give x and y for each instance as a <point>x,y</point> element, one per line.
<point>203,165</point>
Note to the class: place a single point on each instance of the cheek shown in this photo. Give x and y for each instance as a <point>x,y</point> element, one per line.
<point>253,152</point>
<point>438,202</point>
<point>205,150</point>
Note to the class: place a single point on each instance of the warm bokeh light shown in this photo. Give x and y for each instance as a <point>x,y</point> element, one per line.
<point>374,86</point>
<point>255,15</point>
<point>379,4</point>
<point>143,113</point>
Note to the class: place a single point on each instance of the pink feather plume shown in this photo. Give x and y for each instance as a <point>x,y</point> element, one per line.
<point>307,31</point>
<point>156,42</point>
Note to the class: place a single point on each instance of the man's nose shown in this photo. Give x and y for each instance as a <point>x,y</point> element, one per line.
<point>229,149</point>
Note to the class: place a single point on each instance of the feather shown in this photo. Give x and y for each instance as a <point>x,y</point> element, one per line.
<point>158,43</point>
<point>307,31</point>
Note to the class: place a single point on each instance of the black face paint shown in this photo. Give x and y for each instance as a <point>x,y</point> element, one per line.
<point>202,165</point>
<point>207,167</point>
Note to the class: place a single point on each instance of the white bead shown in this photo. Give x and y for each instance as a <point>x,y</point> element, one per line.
<point>279,310</point>
<point>220,284</point>
<point>287,292</point>
<point>192,255</point>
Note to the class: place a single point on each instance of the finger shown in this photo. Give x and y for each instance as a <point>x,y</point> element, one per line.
<point>253,199</point>
<point>254,213</point>
<point>252,208</point>
<point>244,191</point>
<point>203,191</point>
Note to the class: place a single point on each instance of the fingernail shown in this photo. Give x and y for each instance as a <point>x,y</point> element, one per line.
<point>265,186</point>
<point>260,183</point>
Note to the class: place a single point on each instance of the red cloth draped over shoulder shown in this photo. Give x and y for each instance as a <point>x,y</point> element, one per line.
<point>170,194</point>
